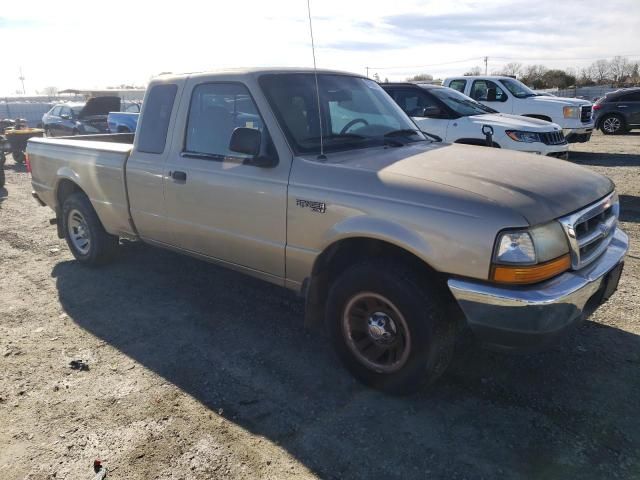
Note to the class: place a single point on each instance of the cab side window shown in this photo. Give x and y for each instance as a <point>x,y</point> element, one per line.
<point>153,131</point>
<point>487,91</point>
<point>414,102</point>
<point>458,85</point>
<point>216,110</point>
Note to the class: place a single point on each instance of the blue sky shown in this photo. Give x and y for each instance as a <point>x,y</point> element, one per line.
<point>85,44</point>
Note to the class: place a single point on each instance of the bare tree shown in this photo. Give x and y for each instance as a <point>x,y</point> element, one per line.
<point>50,91</point>
<point>533,75</point>
<point>512,69</point>
<point>376,77</point>
<point>620,68</point>
<point>475,71</point>
<point>600,71</point>
<point>421,77</point>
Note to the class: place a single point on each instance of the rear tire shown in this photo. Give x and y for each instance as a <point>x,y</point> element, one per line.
<point>389,327</point>
<point>84,233</point>
<point>18,156</point>
<point>2,177</point>
<point>612,124</point>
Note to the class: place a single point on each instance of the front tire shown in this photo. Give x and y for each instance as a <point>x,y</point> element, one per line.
<point>612,125</point>
<point>389,327</point>
<point>84,233</point>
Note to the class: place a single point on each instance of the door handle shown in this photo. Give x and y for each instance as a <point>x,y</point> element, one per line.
<point>177,175</point>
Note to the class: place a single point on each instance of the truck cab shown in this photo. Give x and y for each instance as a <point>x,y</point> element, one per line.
<point>509,95</point>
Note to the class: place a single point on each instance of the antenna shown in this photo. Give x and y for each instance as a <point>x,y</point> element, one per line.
<point>315,73</point>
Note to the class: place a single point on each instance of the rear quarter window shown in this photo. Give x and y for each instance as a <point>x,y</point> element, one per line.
<point>152,136</point>
<point>458,85</point>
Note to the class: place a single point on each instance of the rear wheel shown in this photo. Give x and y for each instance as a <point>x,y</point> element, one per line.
<point>2,160</point>
<point>84,233</point>
<point>389,327</point>
<point>612,125</point>
<point>18,156</point>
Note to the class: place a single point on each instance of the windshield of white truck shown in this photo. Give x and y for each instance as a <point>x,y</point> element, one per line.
<point>355,112</point>
<point>460,103</point>
<point>518,89</point>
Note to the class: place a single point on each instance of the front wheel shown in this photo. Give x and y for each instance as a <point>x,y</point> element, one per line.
<point>389,327</point>
<point>84,233</point>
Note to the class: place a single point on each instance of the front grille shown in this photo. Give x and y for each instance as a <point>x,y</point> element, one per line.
<point>591,229</point>
<point>553,138</point>
<point>585,114</point>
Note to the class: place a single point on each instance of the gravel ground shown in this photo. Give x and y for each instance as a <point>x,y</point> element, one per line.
<point>197,372</point>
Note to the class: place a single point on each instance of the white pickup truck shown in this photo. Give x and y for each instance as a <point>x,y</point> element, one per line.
<point>455,118</point>
<point>322,184</point>
<point>508,95</point>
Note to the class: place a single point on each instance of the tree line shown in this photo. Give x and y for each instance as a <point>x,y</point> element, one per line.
<point>618,71</point>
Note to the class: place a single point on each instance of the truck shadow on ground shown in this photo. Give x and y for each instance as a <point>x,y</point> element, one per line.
<point>237,344</point>
<point>597,159</point>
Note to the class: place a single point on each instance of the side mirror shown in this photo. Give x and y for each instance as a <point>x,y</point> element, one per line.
<point>246,140</point>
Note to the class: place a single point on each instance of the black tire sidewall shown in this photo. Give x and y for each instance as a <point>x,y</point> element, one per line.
<point>422,311</point>
<point>101,243</point>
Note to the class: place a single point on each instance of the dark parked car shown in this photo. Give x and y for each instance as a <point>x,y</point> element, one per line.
<point>80,118</point>
<point>618,112</point>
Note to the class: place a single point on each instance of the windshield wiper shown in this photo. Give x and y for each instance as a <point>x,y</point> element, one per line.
<point>333,136</point>
<point>401,132</point>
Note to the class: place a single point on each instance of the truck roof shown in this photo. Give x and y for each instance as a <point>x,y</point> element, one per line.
<point>475,77</point>
<point>253,71</point>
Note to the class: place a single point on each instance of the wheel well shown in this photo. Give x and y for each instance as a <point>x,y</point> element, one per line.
<point>475,141</point>
<point>539,117</point>
<point>342,254</point>
<point>64,189</point>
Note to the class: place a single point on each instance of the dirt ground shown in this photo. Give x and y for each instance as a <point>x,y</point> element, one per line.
<point>197,372</point>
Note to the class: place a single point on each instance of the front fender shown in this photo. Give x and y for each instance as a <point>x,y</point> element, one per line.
<point>378,229</point>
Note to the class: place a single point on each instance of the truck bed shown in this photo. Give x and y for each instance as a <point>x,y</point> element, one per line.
<point>96,163</point>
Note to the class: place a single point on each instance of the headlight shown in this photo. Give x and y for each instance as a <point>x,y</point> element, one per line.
<point>571,112</point>
<point>518,136</point>
<point>529,256</point>
<point>515,247</point>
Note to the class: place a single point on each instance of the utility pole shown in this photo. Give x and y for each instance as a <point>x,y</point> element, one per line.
<point>21,78</point>
<point>486,59</point>
<point>367,71</point>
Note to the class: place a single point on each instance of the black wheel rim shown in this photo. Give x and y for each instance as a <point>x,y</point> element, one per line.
<point>376,332</point>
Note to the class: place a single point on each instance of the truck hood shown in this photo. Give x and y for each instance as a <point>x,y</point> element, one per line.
<point>514,122</point>
<point>540,189</point>
<point>562,101</point>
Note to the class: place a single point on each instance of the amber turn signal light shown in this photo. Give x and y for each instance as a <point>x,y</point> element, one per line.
<point>530,273</point>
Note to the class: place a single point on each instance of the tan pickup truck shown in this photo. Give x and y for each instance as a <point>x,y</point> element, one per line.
<point>398,243</point>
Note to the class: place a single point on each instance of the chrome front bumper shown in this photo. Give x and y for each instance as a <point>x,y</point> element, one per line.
<point>532,316</point>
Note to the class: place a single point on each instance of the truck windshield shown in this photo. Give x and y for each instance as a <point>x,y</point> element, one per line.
<point>355,112</point>
<point>518,89</point>
<point>460,103</point>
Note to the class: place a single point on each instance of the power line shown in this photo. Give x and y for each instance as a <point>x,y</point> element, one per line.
<point>568,58</point>
<point>424,66</point>
<point>485,60</point>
